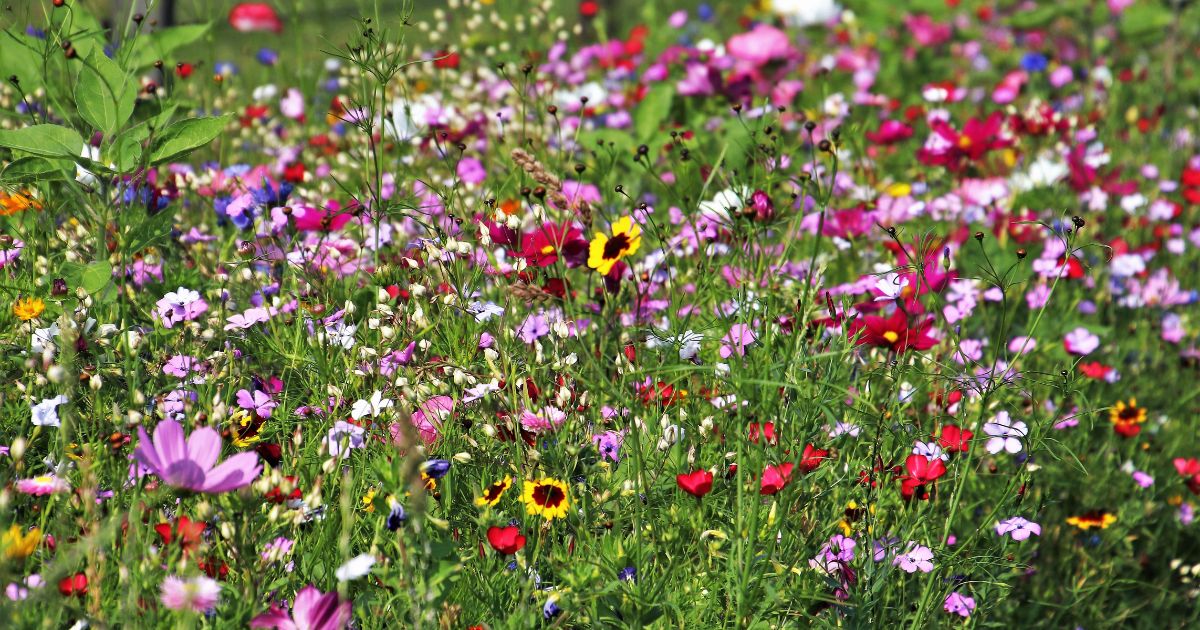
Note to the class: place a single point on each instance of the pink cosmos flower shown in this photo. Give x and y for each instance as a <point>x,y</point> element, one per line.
<point>183,305</point>
<point>545,419</point>
<point>42,485</point>
<point>199,593</point>
<point>313,610</point>
<point>760,46</point>
<point>740,336</point>
<point>1081,342</point>
<point>189,464</point>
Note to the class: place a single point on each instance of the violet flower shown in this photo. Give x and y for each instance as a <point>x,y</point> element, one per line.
<point>190,464</point>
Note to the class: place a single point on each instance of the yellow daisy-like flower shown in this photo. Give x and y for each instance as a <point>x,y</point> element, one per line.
<point>246,431</point>
<point>28,308</point>
<point>1131,413</point>
<point>491,494</point>
<point>12,202</point>
<point>19,544</point>
<point>605,251</point>
<point>368,499</point>
<point>1098,519</point>
<point>546,497</point>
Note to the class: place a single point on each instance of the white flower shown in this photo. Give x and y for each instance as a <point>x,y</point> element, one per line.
<point>484,311</point>
<point>806,12</point>
<point>931,450</point>
<point>1006,434</point>
<point>339,334</point>
<point>45,413</point>
<point>372,407</point>
<point>355,567</point>
<point>891,286</point>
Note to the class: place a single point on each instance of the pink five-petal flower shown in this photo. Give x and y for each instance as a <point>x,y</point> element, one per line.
<point>313,610</point>
<point>189,464</point>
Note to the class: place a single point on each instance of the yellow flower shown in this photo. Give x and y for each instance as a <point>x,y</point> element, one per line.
<point>368,499</point>
<point>14,202</point>
<point>492,493</point>
<point>17,544</point>
<point>1098,519</point>
<point>547,497</point>
<point>1127,414</point>
<point>605,251</point>
<point>28,308</point>
<point>245,430</point>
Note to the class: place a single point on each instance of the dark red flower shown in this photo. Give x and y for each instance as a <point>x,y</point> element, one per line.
<point>812,458</point>
<point>892,332</point>
<point>73,585</point>
<point>766,430</point>
<point>184,529</point>
<point>543,246</point>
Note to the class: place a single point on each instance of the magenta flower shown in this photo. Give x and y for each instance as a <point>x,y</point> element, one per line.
<point>183,305</point>
<point>199,594</point>
<point>1019,528</point>
<point>259,402</point>
<point>313,610</point>
<point>740,336</point>
<point>959,604</point>
<point>917,558</point>
<point>190,464</point>
<point>1081,341</point>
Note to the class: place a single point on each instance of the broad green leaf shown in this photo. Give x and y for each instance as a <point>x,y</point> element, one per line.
<point>44,140</point>
<point>96,276</point>
<point>159,45</point>
<point>19,57</point>
<point>653,111</point>
<point>151,231</point>
<point>104,95</point>
<point>185,136</point>
<point>33,168</point>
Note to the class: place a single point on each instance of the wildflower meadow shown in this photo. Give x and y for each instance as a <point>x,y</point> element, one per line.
<point>599,314</point>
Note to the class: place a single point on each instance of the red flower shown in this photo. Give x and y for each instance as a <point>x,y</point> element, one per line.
<point>767,430</point>
<point>506,540</point>
<point>890,132</point>
<point>187,530</point>
<point>446,60</point>
<point>542,247</point>
<point>953,149</point>
<point>892,332</point>
<point>954,438</point>
<point>776,478</point>
<point>249,17</point>
<point>697,484</point>
<point>73,585</point>
<point>922,471</point>
<point>1095,370</point>
<point>812,458</point>
<point>1189,469</point>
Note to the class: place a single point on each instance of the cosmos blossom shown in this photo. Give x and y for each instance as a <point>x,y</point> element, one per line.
<point>191,464</point>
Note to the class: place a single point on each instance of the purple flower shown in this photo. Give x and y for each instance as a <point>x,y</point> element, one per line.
<point>740,336</point>
<point>259,402</point>
<point>1081,341</point>
<point>883,547</point>
<point>917,558</point>
<point>959,604</point>
<point>183,305</point>
<point>533,328</point>
<point>609,444</point>
<point>313,610</point>
<point>190,464</point>
<point>1018,527</point>
<point>353,434</point>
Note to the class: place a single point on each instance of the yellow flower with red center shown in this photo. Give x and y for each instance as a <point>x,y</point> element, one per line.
<point>28,308</point>
<point>1127,419</point>
<point>18,544</point>
<point>491,494</point>
<point>605,251</point>
<point>546,497</point>
<point>1098,519</point>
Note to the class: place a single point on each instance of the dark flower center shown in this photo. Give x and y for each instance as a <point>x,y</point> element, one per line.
<point>616,246</point>
<point>1129,414</point>
<point>549,496</point>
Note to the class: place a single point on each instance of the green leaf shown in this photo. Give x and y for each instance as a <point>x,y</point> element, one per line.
<point>159,45</point>
<point>33,168</point>
<point>103,94</point>
<point>19,57</point>
<point>44,140</point>
<point>653,111</point>
<point>150,231</point>
<point>96,276</point>
<point>185,136</point>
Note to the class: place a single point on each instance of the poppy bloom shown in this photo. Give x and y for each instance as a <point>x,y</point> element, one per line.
<point>506,540</point>
<point>812,458</point>
<point>892,332</point>
<point>73,585</point>
<point>185,530</point>
<point>546,497</point>
<point>954,438</point>
<point>250,17</point>
<point>775,478</point>
<point>1096,518</point>
<point>766,430</point>
<point>1189,469</point>
<point>491,494</point>
<point>697,483</point>
<point>1127,419</point>
<point>606,251</point>
<point>922,471</point>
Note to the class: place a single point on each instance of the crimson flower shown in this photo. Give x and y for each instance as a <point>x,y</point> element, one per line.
<point>506,540</point>
<point>922,471</point>
<point>543,246</point>
<point>776,478</point>
<point>766,430</point>
<point>1189,469</point>
<point>892,332</point>
<point>697,483</point>
<point>954,438</point>
<point>812,458</point>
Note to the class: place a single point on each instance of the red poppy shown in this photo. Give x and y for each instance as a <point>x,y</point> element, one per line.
<point>922,471</point>
<point>506,540</point>
<point>446,60</point>
<point>73,585</point>
<point>776,478</point>
<point>892,332</point>
<point>1189,469</point>
<point>766,430</point>
<point>954,438</point>
<point>812,458</point>
<point>187,531</point>
<point>249,17</point>
<point>1095,370</point>
<point>697,483</point>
